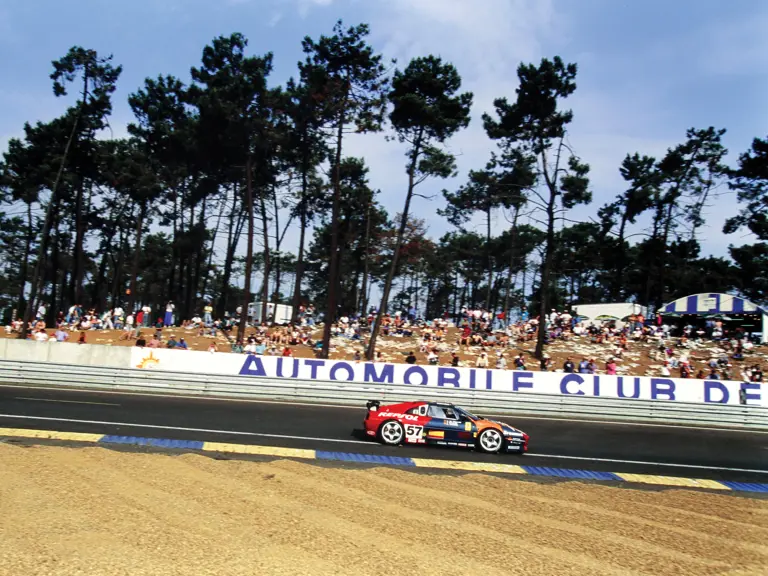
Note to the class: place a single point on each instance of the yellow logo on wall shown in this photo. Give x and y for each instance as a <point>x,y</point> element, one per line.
<point>149,361</point>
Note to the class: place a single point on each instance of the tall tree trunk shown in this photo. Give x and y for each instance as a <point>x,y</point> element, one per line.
<point>249,248</point>
<point>38,275</point>
<point>333,264</point>
<point>398,244</point>
<point>199,257</point>
<point>300,259</point>
<point>546,267</point>
<point>79,249</point>
<point>278,255</point>
<point>55,260</point>
<point>208,264</point>
<point>489,257</point>
<point>512,254</point>
<point>136,256</point>
<point>174,246</point>
<point>24,264</point>
<point>366,260</point>
<point>267,267</point>
<point>234,230</point>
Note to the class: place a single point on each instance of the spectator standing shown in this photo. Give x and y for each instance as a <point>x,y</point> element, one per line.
<point>208,314</point>
<point>568,366</point>
<point>520,362</point>
<point>545,363</point>
<point>169,308</point>
<point>182,345</point>
<point>610,367</point>
<point>147,309</point>
<point>501,362</point>
<point>411,358</point>
<point>584,366</point>
<point>171,344</point>
<point>482,360</point>
<point>117,317</point>
<point>40,312</point>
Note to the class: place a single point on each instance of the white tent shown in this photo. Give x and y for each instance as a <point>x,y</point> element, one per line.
<point>618,310</point>
<point>281,313</point>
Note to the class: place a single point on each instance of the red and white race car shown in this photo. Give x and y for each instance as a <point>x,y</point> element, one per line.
<point>424,422</point>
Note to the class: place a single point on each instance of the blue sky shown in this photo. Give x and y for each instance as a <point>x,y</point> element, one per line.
<point>647,70</point>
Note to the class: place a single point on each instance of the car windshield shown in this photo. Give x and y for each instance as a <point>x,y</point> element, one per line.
<point>465,413</point>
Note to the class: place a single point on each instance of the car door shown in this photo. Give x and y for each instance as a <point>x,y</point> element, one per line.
<point>444,425</point>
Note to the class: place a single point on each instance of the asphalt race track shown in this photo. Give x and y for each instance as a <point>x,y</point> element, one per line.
<point>617,447</point>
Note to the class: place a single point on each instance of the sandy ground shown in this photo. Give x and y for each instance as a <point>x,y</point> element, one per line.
<point>94,511</point>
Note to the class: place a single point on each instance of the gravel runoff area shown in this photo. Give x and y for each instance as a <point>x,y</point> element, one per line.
<point>94,511</point>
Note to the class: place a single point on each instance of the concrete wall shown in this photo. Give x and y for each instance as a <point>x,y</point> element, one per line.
<point>65,353</point>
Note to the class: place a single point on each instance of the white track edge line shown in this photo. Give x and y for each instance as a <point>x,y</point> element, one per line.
<point>156,426</point>
<point>348,407</point>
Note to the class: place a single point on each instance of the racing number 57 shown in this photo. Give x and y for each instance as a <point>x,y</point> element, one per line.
<point>413,432</point>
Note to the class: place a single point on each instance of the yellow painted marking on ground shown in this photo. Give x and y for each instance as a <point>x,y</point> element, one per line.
<point>258,450</point>
<point>672,481</point>
<point>50,435</point>
<point>471,466</point>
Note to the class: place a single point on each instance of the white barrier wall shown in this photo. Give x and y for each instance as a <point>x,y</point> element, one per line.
<point>65,353</point>
<point>643,388</point>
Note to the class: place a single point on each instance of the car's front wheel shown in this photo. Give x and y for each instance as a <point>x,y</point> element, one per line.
<point>391,432</point>
<point>490,440</point>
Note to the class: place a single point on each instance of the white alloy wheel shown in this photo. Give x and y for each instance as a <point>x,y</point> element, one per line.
<point>391,432</point>
<point>490,440</point>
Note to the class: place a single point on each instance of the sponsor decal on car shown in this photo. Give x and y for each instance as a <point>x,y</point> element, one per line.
<point>411,417</point>
<point>436,434</point>
<point>451,422</point>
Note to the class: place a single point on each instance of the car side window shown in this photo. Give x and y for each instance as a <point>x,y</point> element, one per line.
<point>414,410</point>
<point>423,409</point>
<point>436,411</point>
<point>450,413</point>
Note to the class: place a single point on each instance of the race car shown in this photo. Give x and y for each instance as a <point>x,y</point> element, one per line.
<point>443,424</point>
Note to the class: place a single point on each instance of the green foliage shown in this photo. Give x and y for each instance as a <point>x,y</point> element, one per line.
<point>750,180</point>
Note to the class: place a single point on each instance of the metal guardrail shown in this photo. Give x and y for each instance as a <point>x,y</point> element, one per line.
<point>483,401</point>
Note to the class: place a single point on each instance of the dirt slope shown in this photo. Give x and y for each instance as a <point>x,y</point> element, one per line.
<point>99,512</point>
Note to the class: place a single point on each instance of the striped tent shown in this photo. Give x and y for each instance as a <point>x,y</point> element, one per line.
<point>707,304</point>
<point>711,304</point>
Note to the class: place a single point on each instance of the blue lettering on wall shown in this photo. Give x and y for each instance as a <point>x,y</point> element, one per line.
<point>596,386</point>
<point>314,365</point>
<point>294,373</point>
<point>387,373</point>
<point>567,380</point>
<point>342,366</point>
<point>521,380</point>
<point>620,388</point>
<point>751,386</point>
<point>472,377</point>
<point>416,370</point>
<point>448,377</point>
<point>253,366</point>
<point>722,392</point>
<point>662,387</point>
<point>488,379</point>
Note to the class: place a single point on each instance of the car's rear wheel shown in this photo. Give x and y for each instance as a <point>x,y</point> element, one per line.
<point>490,440</point>
<point>391,432</point>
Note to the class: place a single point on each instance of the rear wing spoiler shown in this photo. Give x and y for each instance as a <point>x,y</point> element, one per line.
<point>372,405</point>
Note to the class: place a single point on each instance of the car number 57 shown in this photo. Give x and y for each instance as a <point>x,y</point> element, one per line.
<point>413,433</point>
